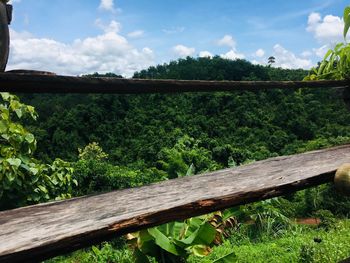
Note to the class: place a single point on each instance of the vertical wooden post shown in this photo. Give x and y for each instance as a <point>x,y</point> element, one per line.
<point>5,19</point>
<point>346,97</point>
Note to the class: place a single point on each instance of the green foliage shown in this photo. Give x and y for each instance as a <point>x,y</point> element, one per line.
<point>154,137</point>
<point>23,179</point>
<point>328,220</point>
<point>266,218</point>
<point>186,157</point>
<point>97,176</point>
<point>346,18</point>
<point>336,62</point>
<point>174,242</point>
<point>296,245</point>
<point>138,127</point>
<point>92,152</point>
<point>104,253</point>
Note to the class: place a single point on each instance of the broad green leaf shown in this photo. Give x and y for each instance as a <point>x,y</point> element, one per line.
<point>322,66</point>
<point>163,241</point>
<point>95,250</point>
<point>19,113</point>
<point>3,126</point>
<point>5,95</point>
<point>33,170</point>
<point>29,138</point>
<point>14,162</point>
<point>200,250</point>
<point>204,235</point>
<point>346,21</point>
<point>75,182</point>
<point>229,258</point>
<point>329,52</point>
<point>43,188</point>
<point>10,176</point>
<point>146,243</point>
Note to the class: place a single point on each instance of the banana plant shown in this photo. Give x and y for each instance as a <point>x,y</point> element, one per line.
<point>174,242</point>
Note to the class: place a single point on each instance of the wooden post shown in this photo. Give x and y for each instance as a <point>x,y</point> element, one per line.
<point>346,97</point>
<point>5,19</point>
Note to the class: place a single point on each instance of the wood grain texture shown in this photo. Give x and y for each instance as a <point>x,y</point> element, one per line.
<point>4,36</point>
<point>41,83</point>
<point>38,232</point>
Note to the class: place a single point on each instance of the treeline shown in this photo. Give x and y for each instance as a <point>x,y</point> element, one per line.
<point>237,126</point>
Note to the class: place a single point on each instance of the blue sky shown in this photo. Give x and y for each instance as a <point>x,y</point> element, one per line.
<point>122,36</point>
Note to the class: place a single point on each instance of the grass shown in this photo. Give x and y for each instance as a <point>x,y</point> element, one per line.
<point>294,245</point>
<point>297,245</point>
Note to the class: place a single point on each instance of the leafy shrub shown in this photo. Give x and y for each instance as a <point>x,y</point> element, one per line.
<point>23,179</point>
<point>104,253</point>
<point>92,152</point>
<point>174,242</point>
<point>267,218</point>
<point>97,176</point>
<point>185,156</point>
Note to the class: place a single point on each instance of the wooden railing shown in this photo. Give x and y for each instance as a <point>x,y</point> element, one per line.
<point>39,232</point>
<point>45,83</point>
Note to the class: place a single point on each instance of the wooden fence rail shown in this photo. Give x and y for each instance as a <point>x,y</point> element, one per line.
<point>38,232</point>
<point>41,83</point>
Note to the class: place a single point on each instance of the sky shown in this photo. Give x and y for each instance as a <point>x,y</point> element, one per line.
<point>75,37</point>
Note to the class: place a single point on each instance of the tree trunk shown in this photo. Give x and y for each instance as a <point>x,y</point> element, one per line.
<point>4,36</point>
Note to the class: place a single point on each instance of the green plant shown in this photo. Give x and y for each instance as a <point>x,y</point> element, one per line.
<point>336,62</point>
<point>328,220</point>
<point>186,157</point>
<point>174,242</point>
<point>267,218</point>
<point>23,179</point>
<point>92,151</point>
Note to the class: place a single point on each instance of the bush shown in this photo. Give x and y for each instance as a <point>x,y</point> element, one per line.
<point>23,179</point>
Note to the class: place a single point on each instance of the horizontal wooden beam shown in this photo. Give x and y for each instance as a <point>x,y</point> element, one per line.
<point>46,83</point>
<point>38,232</point>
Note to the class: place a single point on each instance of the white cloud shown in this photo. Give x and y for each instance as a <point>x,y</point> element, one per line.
<point>183,51</point>
<point>227,40</point>
<point>108,5</point>
<point>321,52</point>
<point>287,59</point>
<point>260,53</point>
<point>136,34</point>
<point>328,30</point>
<point>233,55</point>
<point>107,52</point>
<point>113,26</point>
<point>205,54</point>
<point>306,54</point>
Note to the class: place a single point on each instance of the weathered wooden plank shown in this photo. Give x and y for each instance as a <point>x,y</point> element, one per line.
<point>4,35</point>
<point>45,83</point>
<point>37,232</point>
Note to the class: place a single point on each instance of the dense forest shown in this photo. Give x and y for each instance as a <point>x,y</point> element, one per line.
<point>241,125</point>
<point>119,141</point>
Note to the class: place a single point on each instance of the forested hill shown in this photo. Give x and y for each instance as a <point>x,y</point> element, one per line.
<point>223,127</point>
<point>217,68</point>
